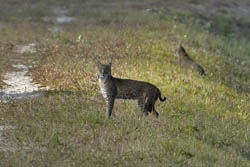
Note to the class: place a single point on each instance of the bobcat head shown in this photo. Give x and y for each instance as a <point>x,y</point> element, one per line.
<point>104,70</point>
<point>180,51</point>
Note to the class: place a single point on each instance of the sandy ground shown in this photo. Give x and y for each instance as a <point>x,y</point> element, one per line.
<point>18,84</point>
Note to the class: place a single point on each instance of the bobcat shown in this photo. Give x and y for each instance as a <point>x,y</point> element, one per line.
<point>186,62</point>
<point>116,88</point>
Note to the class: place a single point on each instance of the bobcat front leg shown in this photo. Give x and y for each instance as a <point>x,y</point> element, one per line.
<point>110,105</point>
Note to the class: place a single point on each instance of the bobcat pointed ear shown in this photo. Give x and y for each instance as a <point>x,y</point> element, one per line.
<point>182,48</point>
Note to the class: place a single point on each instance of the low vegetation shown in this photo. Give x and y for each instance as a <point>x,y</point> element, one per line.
<point>204,122</point>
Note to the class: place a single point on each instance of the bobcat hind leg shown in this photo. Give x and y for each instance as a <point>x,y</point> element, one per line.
<point>155,112</point>
<point>143,107</point>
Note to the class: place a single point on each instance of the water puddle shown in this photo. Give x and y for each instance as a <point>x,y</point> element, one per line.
<point>27,48</point>
<point>19,85</point>
<point>54,29</point>
<point>59,19</point>
<point>65,19</point>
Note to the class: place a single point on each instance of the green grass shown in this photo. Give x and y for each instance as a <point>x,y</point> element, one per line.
<point>68,129</point>
<point>204,122</point>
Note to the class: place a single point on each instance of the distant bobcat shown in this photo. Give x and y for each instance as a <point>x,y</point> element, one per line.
<point>116,88</point>
<point>186,62</point>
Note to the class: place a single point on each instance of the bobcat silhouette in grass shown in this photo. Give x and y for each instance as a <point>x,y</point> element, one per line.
<point>186,62</point>
<point>116,88</point>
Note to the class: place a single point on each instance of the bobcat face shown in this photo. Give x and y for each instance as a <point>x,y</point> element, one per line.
<point>104,70</point>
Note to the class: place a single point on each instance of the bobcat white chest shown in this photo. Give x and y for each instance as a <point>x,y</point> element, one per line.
<point>103,88</point>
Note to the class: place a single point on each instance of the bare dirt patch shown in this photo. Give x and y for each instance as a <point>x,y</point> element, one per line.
<point>17,84</point>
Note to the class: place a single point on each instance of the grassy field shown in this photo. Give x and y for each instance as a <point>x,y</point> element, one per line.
<point>204,122</point>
